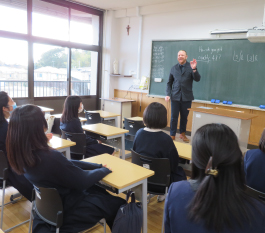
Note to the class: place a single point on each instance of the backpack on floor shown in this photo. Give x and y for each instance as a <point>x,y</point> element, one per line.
<point>129,218</point>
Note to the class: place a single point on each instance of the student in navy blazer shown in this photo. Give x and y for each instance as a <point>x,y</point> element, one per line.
<point>254,166</point>
<point>214,199</point>
<point>28,152</point>
<point>19,182</point>
<point>70,123</point>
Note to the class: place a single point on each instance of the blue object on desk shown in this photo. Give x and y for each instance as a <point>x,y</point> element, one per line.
<point>224,102</point>
<point>262,106</point>
<point>212,100</point>
<point>217,101</point>
<point>229,102</point>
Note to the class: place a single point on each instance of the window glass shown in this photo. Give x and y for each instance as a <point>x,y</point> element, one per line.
<point>50,21</point>
<point>13,16</point>
<point>84,28</point>
<point>50,70</point>
<point>14,67</point>
<point>84,72</point>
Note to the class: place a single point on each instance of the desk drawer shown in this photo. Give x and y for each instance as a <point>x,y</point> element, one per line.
<point>96,136</point>
<point>107,187</point>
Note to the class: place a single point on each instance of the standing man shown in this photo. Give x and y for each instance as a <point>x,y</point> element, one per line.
<point>179,89</point>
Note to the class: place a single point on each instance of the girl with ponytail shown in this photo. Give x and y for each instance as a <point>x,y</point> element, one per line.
<point>213,200</point>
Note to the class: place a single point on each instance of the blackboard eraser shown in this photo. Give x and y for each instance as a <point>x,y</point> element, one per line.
<point>217,101</point>
<point>224,102</point>
<point>229,102</point>
<point>158,80</point>
<point>262,106</point>
<point>212,100</point>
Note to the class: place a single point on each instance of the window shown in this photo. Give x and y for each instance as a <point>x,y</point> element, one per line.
<point>50,70</point>
<point>84,72</point>
<point>14,67</point>
<point>57,56</point>
<point>84,28</point>
<point>13,16</point>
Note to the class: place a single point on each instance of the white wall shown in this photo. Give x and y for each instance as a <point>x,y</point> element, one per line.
<point>176,22</point>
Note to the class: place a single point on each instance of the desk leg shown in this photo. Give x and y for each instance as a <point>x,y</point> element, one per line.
<point>67,153</point>
<point>116,122</point>
<point>122,152</point>
<point>144,202</point>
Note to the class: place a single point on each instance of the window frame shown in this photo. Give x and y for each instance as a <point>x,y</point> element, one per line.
<point>69,45</point>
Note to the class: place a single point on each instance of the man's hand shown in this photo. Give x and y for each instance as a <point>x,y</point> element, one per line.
<point>193,64</point>
<point>167,98</point>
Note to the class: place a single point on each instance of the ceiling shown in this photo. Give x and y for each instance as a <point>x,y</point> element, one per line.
<point>122,4</point>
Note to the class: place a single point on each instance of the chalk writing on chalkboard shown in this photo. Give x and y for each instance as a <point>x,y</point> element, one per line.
<point>157,61</point>
<point>237,57</point>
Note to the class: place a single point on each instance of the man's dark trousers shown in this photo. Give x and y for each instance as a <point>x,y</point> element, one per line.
<point>179,107</point>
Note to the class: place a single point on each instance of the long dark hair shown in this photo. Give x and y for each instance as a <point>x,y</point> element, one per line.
<point>70,109</point>
<point>25,134</point>
<point>3,103</point>
<point>219,201</point>
<point>262,142</point>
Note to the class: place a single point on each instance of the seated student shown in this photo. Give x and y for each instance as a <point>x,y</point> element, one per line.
<point>153,142</point>
<point>213,200</point>
<point>19,182</point>
<point>71,123</point>
<point>84,203</point>
<point>254,163</point>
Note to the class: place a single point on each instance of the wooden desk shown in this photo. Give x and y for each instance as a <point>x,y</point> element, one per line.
<point>61,145</point>
<point>108,116</point>
<point>135,118</point>
<point>82,119</point>
<point>123,107</point>
<point>125,176</point>
<point>237,121</point>
<point>46,110</point>
<point>184,149</point>
<point>105,133</point>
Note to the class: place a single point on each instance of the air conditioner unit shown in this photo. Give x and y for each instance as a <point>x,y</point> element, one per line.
<point>256,36</point>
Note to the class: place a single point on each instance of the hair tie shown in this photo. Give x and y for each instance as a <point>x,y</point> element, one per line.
<point>209,170</point>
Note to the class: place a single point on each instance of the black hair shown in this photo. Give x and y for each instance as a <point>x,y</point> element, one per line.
<point>219,201</point>
<point>70,109</point>
<point>3,103</point>
<point>25,135</point>
<point>155,116</point>
<point>262,142</point>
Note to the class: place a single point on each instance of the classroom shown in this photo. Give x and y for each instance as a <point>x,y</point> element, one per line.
<point>100,50</point>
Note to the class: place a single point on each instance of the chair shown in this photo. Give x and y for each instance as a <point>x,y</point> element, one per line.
<point>255,193</point>
<point>80,147</point>
<point>14,198</point>
<point>158,183</point>
<point>47,204</point>
<point>56,126</point>
<point>133,127</point>
<point>92,118</point>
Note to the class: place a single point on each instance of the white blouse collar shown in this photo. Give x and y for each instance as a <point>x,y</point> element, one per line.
<point>152,130</point>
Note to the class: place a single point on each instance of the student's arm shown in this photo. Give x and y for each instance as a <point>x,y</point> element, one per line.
<point>169,84</point>
<point>166,212</point>
<point>86,165</point>
<point>70,176</point>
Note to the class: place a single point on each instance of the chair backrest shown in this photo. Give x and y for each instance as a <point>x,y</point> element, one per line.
<point>79,139</point>
<point>92,118</point>
<point>3,166</point>
<point>160,166</point>
<point>133,126</point>
<point>255,193</point>
<point>48,205</point>
<point>56,126</point>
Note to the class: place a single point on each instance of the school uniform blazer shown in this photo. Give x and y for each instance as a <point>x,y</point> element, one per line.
<point>179,84</point>
<point>254,164</point>
<point>74,126</point>
<point>180,195</point>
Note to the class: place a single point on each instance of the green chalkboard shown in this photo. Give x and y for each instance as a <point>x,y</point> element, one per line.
<point>232,70</point>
